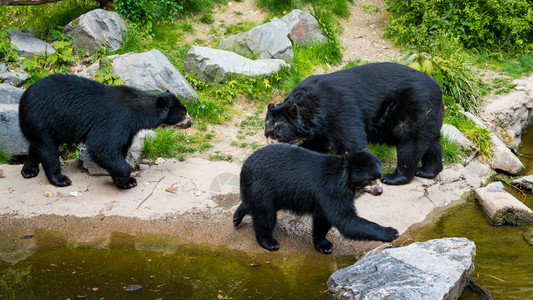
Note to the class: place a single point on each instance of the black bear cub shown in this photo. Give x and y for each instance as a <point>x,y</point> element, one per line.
<point>383,103</point>
<point>287,177</point>
<point>65,108</point>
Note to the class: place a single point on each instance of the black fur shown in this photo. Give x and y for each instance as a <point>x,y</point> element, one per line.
<point>70,109</point>
<point>384,103</point>
<point>288,177</point>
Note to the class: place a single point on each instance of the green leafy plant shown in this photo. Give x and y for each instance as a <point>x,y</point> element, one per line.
<point>370,8</point>
<point>105,74</point>
<point>7,53</point>
<point>450,67</point>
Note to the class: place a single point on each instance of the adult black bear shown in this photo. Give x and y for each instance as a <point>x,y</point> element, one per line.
<point>283,176</point>
<point>384,103</point>
<point>65,108</point>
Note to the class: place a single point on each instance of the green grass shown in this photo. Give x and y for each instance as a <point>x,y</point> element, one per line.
<point>45,17</point>
<point>172,143</point>
<point>4,157</point>
<point>451,151</point>
<point>521,66</point>
<point>218,156</point>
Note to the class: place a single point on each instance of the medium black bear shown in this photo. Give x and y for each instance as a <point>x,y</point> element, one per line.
<point>283,176</point>
<point>65,108</point>
<point>384,103</point>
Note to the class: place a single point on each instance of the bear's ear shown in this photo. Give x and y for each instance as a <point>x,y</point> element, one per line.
<point>162,102</point>
<point>270,106</point>
<point>294,110</point>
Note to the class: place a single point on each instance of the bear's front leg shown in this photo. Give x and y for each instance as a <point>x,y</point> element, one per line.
<point>320,229</point>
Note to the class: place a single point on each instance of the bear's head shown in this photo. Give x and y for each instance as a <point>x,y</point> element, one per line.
<point>364,171</point>
<point>294,120</point>
<point>177,115</point>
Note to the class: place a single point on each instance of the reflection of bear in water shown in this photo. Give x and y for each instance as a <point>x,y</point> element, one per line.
<point>380,103</point>
<point>70,109</point>
<point>283,176</point>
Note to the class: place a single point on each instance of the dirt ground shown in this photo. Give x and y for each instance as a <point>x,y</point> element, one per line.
<point>78,214</point>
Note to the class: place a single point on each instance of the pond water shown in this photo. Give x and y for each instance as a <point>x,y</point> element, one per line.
<point>156,267</point>
<point>504,260</point>
<point>161,267</point>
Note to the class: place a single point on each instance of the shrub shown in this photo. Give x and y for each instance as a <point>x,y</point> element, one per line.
<point>482,25</point>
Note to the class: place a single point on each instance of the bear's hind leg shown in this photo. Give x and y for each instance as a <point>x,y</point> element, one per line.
<point>239,214</point>
<point>264,221</point>
<point>49,156</point>
<point>408,157</point>
<point>431,161</point>
<point>31,165</point>
<point>321,226</point>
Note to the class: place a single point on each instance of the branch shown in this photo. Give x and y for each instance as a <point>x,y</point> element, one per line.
<point>26,2</point>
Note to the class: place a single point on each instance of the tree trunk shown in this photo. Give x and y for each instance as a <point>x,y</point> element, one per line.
<point>105,4</point>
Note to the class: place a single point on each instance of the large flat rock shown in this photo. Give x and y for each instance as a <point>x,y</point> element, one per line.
<point>436,269</point>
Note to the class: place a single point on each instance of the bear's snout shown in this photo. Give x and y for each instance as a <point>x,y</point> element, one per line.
<point>375,188</point>
<point>185,123</point>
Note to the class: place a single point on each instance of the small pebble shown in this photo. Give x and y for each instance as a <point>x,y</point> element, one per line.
<point>47,194</point>
<point>74,194</point>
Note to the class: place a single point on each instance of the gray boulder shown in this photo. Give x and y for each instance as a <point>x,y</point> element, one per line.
<point>213,65</point>
<point>149,71</point>
<point>11,138</point>
<point>436,269</point>
<point>10,94</point>
<point>97,27</point>
<point>3,67</point>
<point>133,158</point>
<point>265,41</point>
<point>303,28</point>
<point>511,114</point>
<point>14,78</point>
<point>27,45</point>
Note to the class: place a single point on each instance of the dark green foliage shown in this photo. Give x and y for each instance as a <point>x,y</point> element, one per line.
<point>148,12</point>
<point>482,25</point>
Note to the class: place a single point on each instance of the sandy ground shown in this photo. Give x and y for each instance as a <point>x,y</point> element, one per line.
<point>195,199</point>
